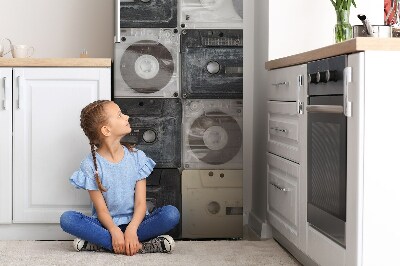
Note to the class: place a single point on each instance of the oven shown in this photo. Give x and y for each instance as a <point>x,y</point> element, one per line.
<point>327,148</point>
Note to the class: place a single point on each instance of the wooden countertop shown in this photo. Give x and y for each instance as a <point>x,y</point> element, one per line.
<point>55,62</point>
<point>348,47</point>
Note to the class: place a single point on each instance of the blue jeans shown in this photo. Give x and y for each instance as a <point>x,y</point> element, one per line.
<point>160,221</point>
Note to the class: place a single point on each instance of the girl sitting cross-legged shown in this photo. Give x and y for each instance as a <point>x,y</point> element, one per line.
<point>115,177</point>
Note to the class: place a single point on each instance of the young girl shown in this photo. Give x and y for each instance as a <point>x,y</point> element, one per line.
<point>115,177</point>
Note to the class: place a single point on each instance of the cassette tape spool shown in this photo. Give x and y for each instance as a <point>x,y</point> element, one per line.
<point>146,63</point>
<point>212,132</point>
<point>207,14</point>
<point>148,14</point>
<point>212,204</point>
<point>212,64</point>
<point>156,128</point>
<point>163,187</point>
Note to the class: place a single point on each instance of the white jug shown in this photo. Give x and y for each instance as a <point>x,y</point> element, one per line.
<point>2,53</point>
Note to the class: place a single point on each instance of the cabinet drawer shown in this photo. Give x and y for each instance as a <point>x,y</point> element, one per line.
<point>284,83</point>
<point>283,196</point>
<point>283,130</point>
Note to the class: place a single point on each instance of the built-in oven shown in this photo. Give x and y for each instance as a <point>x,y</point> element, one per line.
<point>327,148</point>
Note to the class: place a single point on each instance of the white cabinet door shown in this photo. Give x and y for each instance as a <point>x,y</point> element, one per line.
<point>48,141</point>
<point>283,196</point>
<point>5,146</point>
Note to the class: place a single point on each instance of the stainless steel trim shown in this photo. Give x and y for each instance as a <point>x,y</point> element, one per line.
<point>286,83</point>
<point>117,36</point>
<point>336,109</point>
<point>5,93</point>
<point>279,187</point>
<point>326,223</point>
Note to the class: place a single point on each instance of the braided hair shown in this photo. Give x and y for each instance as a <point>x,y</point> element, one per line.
<point>93,117</point>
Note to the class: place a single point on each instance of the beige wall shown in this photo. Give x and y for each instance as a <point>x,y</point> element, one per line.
<point>60,28</point>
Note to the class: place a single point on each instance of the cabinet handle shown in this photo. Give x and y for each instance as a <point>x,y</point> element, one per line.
<point>117,38</point>
<point>334,109</point>
<point>5,93</point>
<point>284,83</point>
<point>20,88</point>
<point>280,129</point>
<point>279,187</point>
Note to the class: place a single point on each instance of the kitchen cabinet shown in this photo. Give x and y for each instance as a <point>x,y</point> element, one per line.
<point>285,124</point>
<point>371,109</point>
<point>42,144</point>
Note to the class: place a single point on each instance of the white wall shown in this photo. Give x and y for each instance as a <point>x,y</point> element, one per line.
<point>301,25</point>
<point>60,28</point>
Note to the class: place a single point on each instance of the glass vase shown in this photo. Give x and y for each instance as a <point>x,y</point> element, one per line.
<point>343,30</point>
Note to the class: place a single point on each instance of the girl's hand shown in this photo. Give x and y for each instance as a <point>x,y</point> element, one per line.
<point>132,244</point>
<point>118,241</point>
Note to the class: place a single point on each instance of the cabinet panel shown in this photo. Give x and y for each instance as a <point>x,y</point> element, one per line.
<point>284,83</point>
<point>48,141</point>
<point>283,196</point>
<point>5,146</point>
<point>283,130</point>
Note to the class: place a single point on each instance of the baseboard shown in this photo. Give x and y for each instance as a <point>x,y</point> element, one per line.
<point>33,232</point>
<point>292,249</point>
<point>260,228</point>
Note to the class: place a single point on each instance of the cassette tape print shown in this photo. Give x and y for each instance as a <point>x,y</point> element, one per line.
<point>146,63</point>
<point>212,132</point>
<point>212,204</point>
<point>148,14</point>
<point>206,14</point>
<point>212,64</point>
<point>156,128</point>
<point>163,187</point>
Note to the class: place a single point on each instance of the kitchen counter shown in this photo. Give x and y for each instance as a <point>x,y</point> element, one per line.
<point>55,62</point>
<point>347,47</point>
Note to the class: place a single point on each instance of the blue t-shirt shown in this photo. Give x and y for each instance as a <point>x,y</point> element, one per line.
<point>118,178</point>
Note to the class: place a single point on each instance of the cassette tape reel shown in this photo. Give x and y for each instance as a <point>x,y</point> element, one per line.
<point>212,204</point>
<point>212,132</point>
<point>207,14</point>
<point>212,64</point>
<point>156,128</point>
<point>163,187</point>
<point>146,63</point>
<point>148,14</point>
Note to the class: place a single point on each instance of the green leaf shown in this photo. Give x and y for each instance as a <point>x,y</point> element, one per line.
<point>333,3</point>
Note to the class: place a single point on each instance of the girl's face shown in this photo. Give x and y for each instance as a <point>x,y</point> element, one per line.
<point>117,123</point>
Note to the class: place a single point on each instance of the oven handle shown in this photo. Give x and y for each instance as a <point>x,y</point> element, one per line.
<point>335,109</point>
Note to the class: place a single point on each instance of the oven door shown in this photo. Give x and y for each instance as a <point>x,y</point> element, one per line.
<point>327,166</point>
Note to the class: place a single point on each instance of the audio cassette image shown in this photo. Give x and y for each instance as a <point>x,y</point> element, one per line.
<point>207,14</point>
<point>212,64</point>
<point>212,132</point>
<point>212,204</point>
<point>163,187</point>
<point>148,14</point>
<point>156,128</point>
<point>146,63</point>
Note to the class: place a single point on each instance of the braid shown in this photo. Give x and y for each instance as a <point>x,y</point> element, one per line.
<point>96,173</point>
<point>92,118</point>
